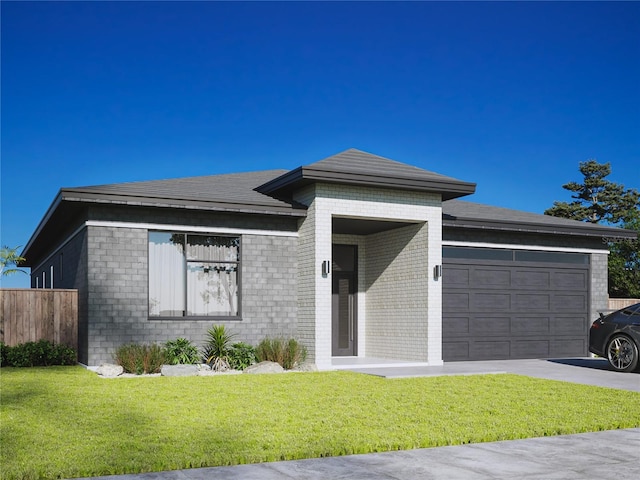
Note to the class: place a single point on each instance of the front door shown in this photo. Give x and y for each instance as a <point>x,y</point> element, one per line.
<point>344,331</point>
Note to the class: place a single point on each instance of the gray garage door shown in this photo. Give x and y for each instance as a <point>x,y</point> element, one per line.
<point>501,304</point>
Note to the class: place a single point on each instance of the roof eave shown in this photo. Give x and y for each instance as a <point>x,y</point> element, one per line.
<point>43,222</point>
<point>163,202</point>
<point>301,176</point>
<point>528,227</point>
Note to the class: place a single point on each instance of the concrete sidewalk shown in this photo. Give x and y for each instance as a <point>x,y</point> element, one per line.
<point>587,456</point>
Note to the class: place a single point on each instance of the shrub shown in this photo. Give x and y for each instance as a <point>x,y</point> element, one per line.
<point>181,351</point>
<point>3,354</point>
<point>241,356</point>
<point>42,353</point>
<point>218,347</point>
<point>140,358</point>
<point>287,352</point>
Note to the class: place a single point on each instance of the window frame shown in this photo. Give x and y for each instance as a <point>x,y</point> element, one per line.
<point>185,283</point>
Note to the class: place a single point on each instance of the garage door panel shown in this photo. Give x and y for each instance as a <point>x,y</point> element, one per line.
<point>490,350</point>
<point>495,302</point>
<point>456,277</point>
<point>532,302</point>
<point>456,351</point>
<point>572,280</point>
<point>455,302</point>
<point>531,279</point>
<point>569,347</point>
<point>569,302</point>
<point>570,325</point>
<point>530,326</point>
<point>455,326</point>
<point>490,277</point>
<point>530,348</point>
<point>490,326</point>
<point>542,311</point>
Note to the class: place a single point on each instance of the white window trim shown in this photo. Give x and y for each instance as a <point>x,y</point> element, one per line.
<point>509,246</point>
<point>190,229</point>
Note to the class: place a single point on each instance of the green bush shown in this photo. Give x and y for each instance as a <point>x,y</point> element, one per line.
<point>140,358</point>
<point>42,353</point>
<point>3,354</point>
<point>241,356</point>
<point>287,352</point>
<point>218,347</point>
<point>181,351</point>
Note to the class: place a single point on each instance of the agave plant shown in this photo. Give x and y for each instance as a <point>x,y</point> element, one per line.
<point>218,347</point>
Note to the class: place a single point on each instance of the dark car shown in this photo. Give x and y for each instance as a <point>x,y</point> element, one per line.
<point>617,338</point>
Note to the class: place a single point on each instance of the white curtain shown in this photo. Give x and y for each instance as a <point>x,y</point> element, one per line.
<point>212,289</point>
<point>166,274</point>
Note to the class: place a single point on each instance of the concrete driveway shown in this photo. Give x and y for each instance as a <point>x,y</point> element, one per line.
<point>588,371</point>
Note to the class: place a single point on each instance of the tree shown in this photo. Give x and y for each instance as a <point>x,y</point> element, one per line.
<point>624,264</point>
<point>598,200</point>
<point>9,260</point>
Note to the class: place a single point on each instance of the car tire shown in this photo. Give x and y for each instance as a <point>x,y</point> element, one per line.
<point>622,353</point>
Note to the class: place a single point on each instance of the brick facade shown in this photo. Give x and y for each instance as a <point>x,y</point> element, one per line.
<point>109,267</point>
<point>283,290</point>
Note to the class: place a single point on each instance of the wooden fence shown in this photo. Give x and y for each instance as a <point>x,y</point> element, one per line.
<point>29,315</point>
<point>618,303</point>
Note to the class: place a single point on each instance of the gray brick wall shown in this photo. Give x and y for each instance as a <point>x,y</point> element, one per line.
<point>118,293</point>
<point>599,297</point>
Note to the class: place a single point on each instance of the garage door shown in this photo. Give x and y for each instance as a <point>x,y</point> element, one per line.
<point>503,304</point>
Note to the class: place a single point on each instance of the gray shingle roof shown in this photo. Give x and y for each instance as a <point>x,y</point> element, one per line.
<point>458,213</point>
<point>355,167</point>
<point>269,192</point>
<point>229,192</point>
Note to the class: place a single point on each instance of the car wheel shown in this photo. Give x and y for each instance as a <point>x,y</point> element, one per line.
<point>622,353</point>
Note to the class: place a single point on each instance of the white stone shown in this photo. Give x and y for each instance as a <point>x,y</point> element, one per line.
<point>179,370</point>
<point>265,367</point>
<point>109,370</point>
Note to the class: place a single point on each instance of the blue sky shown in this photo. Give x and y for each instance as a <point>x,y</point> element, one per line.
<point>511,95</point>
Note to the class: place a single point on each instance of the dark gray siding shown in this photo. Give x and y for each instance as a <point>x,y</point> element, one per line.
<point>69,262</point>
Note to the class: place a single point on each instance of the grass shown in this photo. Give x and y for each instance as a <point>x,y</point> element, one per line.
<point>64,422</point>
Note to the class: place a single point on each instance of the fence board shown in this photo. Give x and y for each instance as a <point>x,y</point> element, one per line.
<point>618,303</point>
<point>29,315</point>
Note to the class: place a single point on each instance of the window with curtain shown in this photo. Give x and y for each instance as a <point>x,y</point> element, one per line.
<point>193,275</point>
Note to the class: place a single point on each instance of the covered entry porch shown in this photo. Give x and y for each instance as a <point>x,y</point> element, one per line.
<point>379,289</point>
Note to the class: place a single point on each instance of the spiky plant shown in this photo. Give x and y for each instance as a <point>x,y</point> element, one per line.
<point>218,347</point>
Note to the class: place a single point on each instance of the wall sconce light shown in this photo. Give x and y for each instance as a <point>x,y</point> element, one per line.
<point>437,272</point>
<point>326,267</point>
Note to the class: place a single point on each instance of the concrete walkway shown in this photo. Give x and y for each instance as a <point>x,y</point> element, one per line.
<point>588,456</point>
<point>588,371</point>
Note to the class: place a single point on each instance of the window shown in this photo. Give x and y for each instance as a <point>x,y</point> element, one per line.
<point>477,253</point>
<point>552,257</point>
<point>509,255</point>
<point>193,275</point>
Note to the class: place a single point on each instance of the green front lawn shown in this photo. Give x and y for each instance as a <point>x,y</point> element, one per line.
<point>62,422</point>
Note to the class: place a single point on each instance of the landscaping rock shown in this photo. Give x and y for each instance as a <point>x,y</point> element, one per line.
<point>109,370</point>
<point>306,367</point>
<point>264,367</point>
<point>179,370</point>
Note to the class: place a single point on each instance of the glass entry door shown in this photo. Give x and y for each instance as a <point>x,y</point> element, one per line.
<point>344,317</point>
